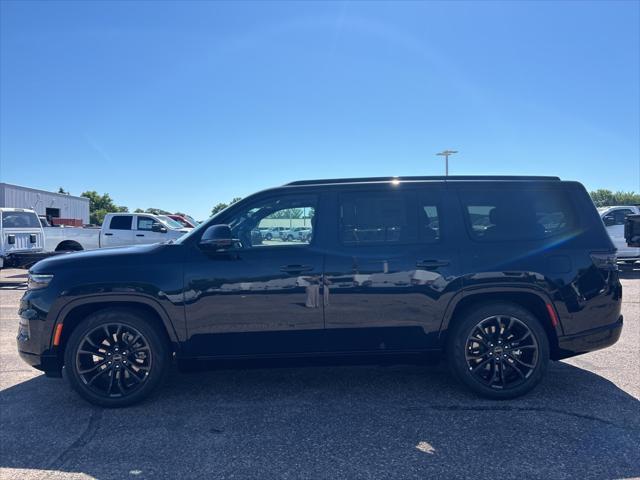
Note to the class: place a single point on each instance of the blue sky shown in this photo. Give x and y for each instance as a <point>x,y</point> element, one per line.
<point>184,105</point>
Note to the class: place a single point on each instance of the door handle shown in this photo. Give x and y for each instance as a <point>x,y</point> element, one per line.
<point>139,234</point>
<point>296,268</point>
<point>432,263</point>
<point>108,234</point>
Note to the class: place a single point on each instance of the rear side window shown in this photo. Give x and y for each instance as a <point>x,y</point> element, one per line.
<point>374,218</point>
<point>20,220</point>
<point>517,214</point>
<point>121,222</point>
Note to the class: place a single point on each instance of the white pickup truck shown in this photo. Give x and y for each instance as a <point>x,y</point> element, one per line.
<point>614,220</point>
<point>21,238</point>
<point>118,229</point>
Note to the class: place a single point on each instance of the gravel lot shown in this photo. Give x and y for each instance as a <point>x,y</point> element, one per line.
<point>328,422</point>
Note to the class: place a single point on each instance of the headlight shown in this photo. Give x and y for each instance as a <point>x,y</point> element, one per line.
<point>37,281</point>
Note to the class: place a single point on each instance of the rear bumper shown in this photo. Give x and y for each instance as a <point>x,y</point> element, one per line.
<point>594,339</point>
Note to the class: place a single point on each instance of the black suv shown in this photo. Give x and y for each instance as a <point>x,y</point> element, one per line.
<point>499,274</point>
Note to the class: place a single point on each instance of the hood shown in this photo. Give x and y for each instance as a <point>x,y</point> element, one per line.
<point>96,258</point>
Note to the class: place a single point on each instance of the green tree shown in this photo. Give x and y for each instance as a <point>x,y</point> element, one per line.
<point>606,198</point>
<point>100,205</point>
<point>63,191</point>
<point>138,210</point>
<point>157,211</point>
<point>287,214</point>
<point>222,206</point>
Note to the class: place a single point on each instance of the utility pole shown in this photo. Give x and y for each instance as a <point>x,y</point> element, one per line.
<point>446,154</point>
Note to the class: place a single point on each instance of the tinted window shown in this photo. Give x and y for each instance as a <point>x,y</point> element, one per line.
<point>620,215</point>
<point>429,218</point>
<point>279,221</point>
<point>370,218</point>
<point>522,214</point>
<point>121,222</point>
<point>147,223</point>
<point>20,220</point>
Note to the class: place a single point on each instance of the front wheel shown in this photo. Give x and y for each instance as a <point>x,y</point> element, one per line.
<point>498,350</point>
<point>115,358</point>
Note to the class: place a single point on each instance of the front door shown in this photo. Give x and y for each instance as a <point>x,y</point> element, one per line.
<point>389,269</point>
<point>148,230</point>
<point>262,296</point>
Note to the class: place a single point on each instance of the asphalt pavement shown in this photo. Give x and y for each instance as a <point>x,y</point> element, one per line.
<point>346,422</point>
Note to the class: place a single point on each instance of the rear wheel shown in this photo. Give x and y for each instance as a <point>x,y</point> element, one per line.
<point>498,350</point>
<point>115,358</point>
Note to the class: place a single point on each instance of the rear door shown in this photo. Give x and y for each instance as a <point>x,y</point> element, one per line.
<point>118,231</point>
<point>388,268</point>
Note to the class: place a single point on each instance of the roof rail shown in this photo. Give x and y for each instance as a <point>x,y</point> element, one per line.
<point>421,178</point>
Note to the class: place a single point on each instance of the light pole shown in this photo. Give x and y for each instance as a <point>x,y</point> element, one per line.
<point>446,154</point>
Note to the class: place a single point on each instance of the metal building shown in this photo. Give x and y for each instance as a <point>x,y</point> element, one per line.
<point>53,205</point>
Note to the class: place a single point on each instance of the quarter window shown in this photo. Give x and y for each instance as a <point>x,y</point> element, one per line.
<point>523,214</point>
<point>121,222</point>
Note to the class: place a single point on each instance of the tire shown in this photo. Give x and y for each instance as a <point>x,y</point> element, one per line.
<point>475,342</point>
<point>69,246</point>
<point>268,236</point>
<point>289,238</point>
<point>122,377</point>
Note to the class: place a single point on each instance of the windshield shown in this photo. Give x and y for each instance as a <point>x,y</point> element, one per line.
<point>190,219</point>
<point>20,220</point>
<point>170,222</point>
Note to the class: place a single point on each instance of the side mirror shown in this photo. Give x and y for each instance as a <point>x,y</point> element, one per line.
<point>156,227</point>
<point>608,220</point>
<point>217,237</point>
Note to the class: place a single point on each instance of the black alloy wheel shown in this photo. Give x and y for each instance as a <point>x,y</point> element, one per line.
<point>499,350</point>
<point>114,360</point>
<point>116,357</point>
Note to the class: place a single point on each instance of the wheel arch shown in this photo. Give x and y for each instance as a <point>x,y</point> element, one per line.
<point>69,246</point>
<point>75,312</point>
<point>534,301</point>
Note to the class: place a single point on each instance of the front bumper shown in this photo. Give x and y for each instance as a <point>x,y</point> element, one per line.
<point>594,339</point>
<point>49,364</point>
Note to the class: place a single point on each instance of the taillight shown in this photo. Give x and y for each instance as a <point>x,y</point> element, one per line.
<point>605,260</point>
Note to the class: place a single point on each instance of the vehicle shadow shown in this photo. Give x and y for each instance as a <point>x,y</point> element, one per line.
<point>326,422</point>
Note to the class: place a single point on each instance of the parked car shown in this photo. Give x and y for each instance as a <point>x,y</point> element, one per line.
<point>185,220</point>
<point>299,234</point>
<point>270,233</point>
<point>117,229</point>
<point>382,276</point>
<point>632,230</point>
<point>614,220</point>
<point>21,238</point>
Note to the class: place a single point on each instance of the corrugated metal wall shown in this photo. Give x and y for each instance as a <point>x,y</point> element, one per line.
<point>14,196</point>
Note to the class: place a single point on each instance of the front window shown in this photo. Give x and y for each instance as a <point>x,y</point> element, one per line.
<point>147,223</point>
<point>275,222</point>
